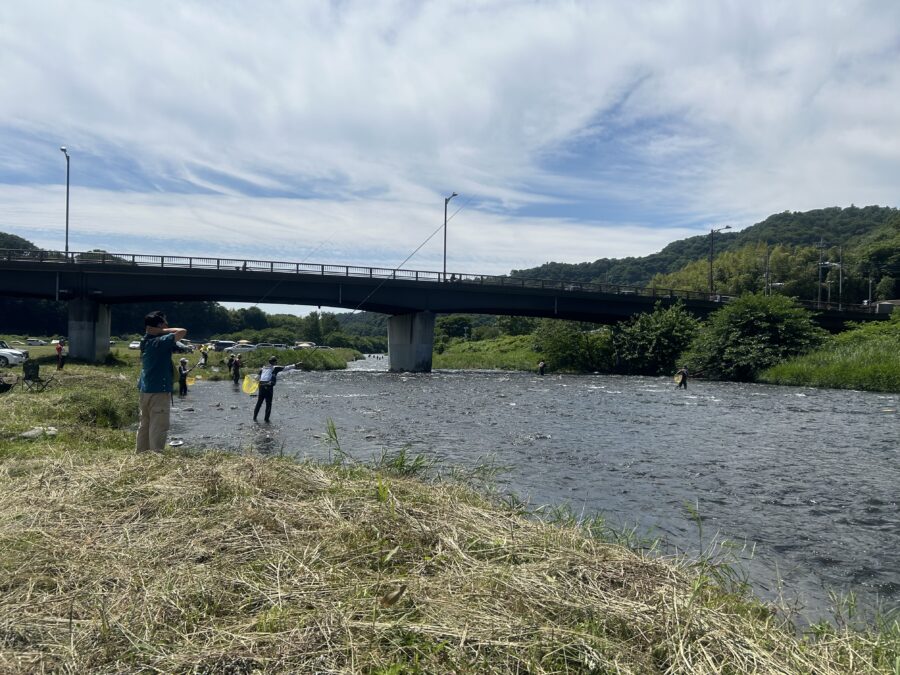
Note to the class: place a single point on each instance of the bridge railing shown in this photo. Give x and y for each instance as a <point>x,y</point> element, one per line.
<point>246,265</point>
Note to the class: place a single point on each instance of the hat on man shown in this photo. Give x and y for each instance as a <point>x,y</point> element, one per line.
<point>272,359</point>
<point>184,360</point>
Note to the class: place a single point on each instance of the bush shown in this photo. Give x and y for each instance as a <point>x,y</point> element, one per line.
<point>651,343</point>
<point>750,334</point>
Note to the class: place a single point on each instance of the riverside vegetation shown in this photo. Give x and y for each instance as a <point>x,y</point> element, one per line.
<point>209,562</point>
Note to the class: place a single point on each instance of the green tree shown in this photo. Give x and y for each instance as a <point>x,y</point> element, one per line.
<point>454,325</point>
<point>751,334</point>
<point>571,345</point>
<point>516,325</point>
<point>310,328</point>
<point>652,342</point>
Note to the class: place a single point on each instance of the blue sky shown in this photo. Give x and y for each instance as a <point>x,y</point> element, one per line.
<point>332,131</point>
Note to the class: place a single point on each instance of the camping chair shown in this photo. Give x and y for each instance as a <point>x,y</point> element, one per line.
<point>7,382</point>
<point>31,376</point>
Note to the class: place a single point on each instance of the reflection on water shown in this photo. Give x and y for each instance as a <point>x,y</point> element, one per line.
<point>806,477</point>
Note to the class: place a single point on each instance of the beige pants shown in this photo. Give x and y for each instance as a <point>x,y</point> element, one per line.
<point>154,424</point>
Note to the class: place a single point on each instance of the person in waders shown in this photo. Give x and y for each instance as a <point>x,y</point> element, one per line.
<point>183,371</point>
<point>236,371</point>
<point>268,376</point>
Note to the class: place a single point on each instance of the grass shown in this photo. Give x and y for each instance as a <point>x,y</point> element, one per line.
<point>503,353</point>
<point>862,359</point>
<point>209,563</point>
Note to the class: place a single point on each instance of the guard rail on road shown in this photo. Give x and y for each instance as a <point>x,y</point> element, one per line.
<point>242,265</point>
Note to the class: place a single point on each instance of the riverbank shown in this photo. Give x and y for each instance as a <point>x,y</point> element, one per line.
<point>864,358</point>
<point>218,562</point>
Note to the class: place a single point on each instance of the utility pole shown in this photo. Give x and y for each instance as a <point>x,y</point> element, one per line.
<point>712,234</point>
<point>821,246</point>
<point>446,201</point>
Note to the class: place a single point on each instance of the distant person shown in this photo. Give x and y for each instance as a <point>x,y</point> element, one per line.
<point>155,383</point>
<point>236,370</point>
<point>230,362</point>
<point>268,377</point>
<point>682,376</point>
<point>541,367</point>
<point>60,356</point>
<point>183,371</point>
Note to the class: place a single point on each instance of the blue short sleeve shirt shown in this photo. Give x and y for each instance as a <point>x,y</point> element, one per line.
<point>156,363</point>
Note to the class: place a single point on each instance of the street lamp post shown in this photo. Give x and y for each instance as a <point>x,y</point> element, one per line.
<point>712,234</point>
<point>66,153</point>
<point>446,201</point>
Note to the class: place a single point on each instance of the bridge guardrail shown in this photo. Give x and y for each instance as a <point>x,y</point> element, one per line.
<point>246,265</point>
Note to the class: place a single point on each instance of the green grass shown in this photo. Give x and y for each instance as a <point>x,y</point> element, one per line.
<point>503,353</point>
<point>210,562</point>
<point>864,359</point>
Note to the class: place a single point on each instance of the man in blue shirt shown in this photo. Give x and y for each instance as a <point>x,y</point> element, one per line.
<point>155,384</point>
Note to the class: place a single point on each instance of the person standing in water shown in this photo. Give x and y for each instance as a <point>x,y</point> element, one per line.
<point>183,371</point>
<point>541,367</point>
<point>682,382</point>
<point>236,370</point>
<point>268,376</point>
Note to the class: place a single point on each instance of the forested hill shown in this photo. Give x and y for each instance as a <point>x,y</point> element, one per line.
<point>850,227</point>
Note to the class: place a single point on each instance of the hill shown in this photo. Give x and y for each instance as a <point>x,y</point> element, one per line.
<point>872,230</point>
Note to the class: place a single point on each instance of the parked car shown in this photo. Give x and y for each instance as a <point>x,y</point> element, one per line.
<point>240,349</point>
<point>10,356</point>
<point>222,345</point>
<point>135,344</point>
<point>35,342</point>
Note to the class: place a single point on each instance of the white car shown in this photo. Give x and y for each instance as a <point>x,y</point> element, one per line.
<point>136,344</point>
<point>240,349</point>
<point>10,356</point>
<point>34,342</point>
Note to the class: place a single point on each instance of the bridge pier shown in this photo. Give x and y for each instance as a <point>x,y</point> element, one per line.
<point>411,342</point>
<point>89,324</point>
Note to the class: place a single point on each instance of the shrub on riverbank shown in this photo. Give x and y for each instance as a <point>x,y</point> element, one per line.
<point>176,562</point>
<point>864,358</point>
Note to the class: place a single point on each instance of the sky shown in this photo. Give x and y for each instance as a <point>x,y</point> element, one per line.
<point>332,132</point>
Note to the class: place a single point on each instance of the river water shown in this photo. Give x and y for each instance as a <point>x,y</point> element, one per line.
<point>805,483</point>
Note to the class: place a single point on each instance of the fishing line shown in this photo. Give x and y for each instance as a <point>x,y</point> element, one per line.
<point>439,228</point>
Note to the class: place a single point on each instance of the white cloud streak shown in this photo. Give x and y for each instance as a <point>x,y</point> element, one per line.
<point>638,123</point>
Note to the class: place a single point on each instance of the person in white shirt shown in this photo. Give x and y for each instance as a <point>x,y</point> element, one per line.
<point>268,376</point>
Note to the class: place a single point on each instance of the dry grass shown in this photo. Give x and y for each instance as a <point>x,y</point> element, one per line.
<point>220,563</point>
<point>180,563</point>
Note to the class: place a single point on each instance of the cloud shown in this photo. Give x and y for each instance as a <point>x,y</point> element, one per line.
<point>575,130</point>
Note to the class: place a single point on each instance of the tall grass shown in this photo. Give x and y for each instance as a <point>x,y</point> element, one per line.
<point>864,358</point>
<point>503,353</point>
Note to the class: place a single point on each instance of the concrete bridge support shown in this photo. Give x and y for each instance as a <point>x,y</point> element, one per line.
<point>411,342</point>
<point>89,323</point>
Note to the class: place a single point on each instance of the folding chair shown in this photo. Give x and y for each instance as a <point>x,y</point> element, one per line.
<point>31,376</point>
<point>7,382</point>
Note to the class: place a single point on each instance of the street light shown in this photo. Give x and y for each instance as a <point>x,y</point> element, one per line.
<point>66,153</point>
<point>712,235</point>
<point>446,201</point>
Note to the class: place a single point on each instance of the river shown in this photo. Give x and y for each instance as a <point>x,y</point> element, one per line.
<point>804,483</point>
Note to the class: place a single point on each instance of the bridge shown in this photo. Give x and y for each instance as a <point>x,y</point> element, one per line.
<point>92,282</point>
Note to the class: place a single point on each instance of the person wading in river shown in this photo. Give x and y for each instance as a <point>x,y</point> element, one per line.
<point>268,376</point>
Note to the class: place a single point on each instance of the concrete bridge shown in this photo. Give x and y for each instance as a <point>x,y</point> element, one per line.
<point>91,283</point>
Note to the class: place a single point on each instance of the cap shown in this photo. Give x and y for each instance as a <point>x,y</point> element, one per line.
<point>272,359</point>
<point>184,360</point>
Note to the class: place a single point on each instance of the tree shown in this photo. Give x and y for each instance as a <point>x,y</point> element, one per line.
<point>455,325</point>
<point>751,334</point>
<point>516,325</point>
<point>570,345</point>
<point>651,343</point>
<point>310,328</point>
